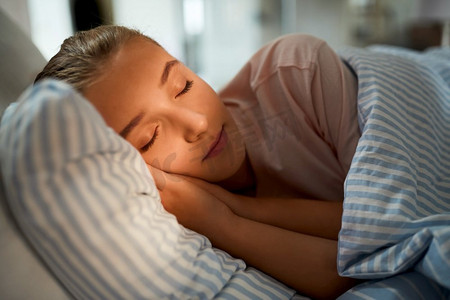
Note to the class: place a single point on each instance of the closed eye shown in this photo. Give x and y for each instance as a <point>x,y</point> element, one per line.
<point>151,142</point>
<point>187,87</point>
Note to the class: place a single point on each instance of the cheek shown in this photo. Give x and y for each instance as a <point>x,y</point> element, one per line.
<point>184,161</point>
<point>177,159</point>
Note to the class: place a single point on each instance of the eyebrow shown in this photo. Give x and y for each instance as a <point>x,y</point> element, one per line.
<point>133,123</point>
<point>167,69</point>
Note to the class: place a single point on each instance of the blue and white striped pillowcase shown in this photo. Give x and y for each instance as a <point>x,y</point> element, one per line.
<point>85,200</point>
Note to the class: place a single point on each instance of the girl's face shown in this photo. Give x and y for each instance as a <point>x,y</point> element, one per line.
<point>175,119</point>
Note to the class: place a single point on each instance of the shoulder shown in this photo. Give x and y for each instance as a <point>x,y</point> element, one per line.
<point>295,49</point>
<point>299,51</point>
<point>305,43</point>
<point>277,63</point>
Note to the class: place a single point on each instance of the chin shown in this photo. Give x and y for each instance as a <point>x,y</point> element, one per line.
<point>221,170</point>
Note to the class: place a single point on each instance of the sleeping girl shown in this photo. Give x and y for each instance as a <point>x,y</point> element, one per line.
<point>258,168</point>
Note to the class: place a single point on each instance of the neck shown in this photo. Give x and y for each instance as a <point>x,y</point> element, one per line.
<point>243,180</point>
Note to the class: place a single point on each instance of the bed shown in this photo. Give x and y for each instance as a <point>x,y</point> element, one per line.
<point>70,231</point>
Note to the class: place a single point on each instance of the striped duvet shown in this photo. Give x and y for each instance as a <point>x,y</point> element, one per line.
<point>396,218</point>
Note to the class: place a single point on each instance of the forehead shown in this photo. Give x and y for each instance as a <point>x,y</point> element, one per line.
<point>139,52</point>
<point>130,77</point>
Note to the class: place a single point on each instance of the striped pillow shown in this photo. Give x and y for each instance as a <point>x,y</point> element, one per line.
<point>86,202</point>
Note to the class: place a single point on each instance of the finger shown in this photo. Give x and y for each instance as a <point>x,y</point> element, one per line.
<point>158,177</point>
<point>212,188</point>
<point>163,178</point>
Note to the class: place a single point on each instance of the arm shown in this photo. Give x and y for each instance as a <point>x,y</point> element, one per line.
<point>313,217</point>
<point>304,262</point>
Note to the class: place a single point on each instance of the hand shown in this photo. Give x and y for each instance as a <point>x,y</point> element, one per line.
<point>234,201</point>
<point>314,217</point>
<point>195,207</point>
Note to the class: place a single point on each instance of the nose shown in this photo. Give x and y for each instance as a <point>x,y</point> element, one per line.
<point>194,125</point>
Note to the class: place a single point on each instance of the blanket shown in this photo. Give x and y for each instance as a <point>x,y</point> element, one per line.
<point>396,217</point>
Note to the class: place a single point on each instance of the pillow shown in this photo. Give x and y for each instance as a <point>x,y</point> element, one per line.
<point>86,202</point>
<point>22,275</point>
<point>20,61</point>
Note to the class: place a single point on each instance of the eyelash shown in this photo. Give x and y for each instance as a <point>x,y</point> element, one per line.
<point>151,142</point>
<point>187,87</point>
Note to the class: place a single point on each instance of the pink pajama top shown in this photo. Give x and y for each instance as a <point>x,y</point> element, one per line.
<point>294,102</point>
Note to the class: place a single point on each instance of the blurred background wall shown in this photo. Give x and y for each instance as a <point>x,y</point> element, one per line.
<point>216,37</point>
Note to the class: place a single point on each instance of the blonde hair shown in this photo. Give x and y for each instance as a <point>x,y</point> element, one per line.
<point>83,56</point>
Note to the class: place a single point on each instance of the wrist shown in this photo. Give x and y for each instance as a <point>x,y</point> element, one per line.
<point>223,229</point>
<point>242,206</point>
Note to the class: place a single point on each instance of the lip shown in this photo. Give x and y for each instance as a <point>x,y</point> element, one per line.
<point>218,145</point>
